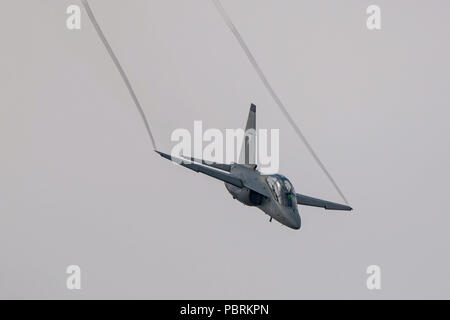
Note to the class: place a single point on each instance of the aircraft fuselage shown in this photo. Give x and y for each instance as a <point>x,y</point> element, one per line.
<point>280,204</point>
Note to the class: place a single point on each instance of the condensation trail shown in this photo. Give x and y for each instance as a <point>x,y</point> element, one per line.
<point>275,97</point>
<point>119,68</point>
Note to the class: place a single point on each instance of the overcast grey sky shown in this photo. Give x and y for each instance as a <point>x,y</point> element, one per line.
<point>80,184</point>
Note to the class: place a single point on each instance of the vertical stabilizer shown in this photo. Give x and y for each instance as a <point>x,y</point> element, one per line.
<point>248,151</point>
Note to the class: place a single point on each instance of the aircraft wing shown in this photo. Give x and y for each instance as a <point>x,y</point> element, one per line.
<point>217,165</point>
<point>250,184</point>
<point>225,177</point>
<point>309,201</point>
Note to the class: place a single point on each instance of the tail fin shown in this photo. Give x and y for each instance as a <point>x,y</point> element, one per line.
<point>248,151</point>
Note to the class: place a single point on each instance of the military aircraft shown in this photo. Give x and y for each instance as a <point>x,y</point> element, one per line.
<point>273,194</point>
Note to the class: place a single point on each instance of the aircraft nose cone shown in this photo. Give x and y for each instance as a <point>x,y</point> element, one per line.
<point>295,221</point>
<point>297,224</point>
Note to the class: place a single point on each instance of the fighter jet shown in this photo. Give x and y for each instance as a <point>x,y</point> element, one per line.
<point>273,194</point>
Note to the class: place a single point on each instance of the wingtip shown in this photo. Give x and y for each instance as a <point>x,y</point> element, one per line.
<point>164,155</point>
<point>346,207</point>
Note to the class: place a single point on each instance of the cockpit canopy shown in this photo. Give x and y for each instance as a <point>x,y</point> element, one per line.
<point>282,190</point>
